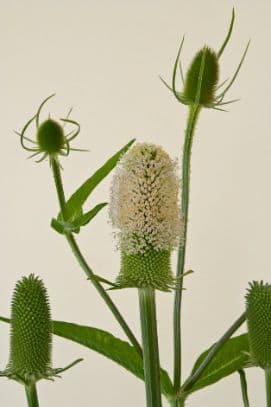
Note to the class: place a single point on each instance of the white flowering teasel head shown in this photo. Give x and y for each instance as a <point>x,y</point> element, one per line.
<point>144,209</point>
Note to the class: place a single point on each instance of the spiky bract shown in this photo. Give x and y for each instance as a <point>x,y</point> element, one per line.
<point>144,209</point>
<point>258,300</point>
<point>50,137</point>
<point>31,337</point>
<point>202,78</point>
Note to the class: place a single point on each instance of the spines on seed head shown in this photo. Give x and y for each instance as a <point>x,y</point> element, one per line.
<point>31,331</point>
<point>202,78</point>
<point>258,304</point>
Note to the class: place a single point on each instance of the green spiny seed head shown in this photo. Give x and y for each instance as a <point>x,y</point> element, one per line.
<point>144,209</point>
<point>50,137</point>
<point>151,269</point>
<point>258,301</point>
<point>204,65</point>
<point>31,338</point>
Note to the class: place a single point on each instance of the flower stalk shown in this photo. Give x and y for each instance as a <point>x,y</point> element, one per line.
<point>194,111</point>
<point>150,346</point>
<point>32,395</point>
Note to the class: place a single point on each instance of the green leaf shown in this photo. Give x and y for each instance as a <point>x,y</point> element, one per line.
<point>86,217</point>
<point>61,227</point>
<point>78,198</point>
<point>107,345</point>
<point>233,356</point>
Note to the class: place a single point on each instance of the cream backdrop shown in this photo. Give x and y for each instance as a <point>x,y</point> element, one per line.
<point>104,58</point>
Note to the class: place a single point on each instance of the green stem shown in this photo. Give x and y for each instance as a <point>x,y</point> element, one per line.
<point>83,263</point>
<point>196,375</point>
<point>150,346</point>
<point>191,124</point>
<point>32,395</point>
<point>268,387</point>
<point>243,382</point>
<point>177,403</point>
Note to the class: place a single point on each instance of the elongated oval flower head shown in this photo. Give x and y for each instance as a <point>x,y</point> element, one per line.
<point>31,333</point>
<point>31,330</point>
<point>204,67</point>
<point>201,80</point>
<point>144,208</point>
<point>258,301</point>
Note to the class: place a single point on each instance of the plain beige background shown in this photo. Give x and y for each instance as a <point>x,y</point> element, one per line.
<point>104,58</point>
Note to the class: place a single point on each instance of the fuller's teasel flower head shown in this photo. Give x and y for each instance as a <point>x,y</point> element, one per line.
<point>200,83</point>
<point>258,301</point>
<point>51,140</point>
<point>31,333</point>
<point>144,209</point>
<point>31,330</point>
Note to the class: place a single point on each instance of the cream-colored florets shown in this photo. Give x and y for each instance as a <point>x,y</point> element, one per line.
<point>144,200</point>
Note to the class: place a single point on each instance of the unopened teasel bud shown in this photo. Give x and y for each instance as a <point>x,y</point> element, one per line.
<point>31,331</point>
<point>258,300</point>
<point>144,209</point>
<point>204,67</point>
<point>50,137</point>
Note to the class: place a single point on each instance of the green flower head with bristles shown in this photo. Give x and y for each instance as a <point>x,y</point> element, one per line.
<point>31,334</point>
<point>200,84</point>
<point>144,209</point>
<point>51,140</point>
<point>258,304</point>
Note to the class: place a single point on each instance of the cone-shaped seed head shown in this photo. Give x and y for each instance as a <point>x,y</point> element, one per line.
<point>144,209</point>
<point>258,301</point>
<point>30,343</point>
<point>205,61</point>
<point>50,137</point>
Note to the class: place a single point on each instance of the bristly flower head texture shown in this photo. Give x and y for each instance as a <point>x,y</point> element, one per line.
<point>258,301</point>
<point>31,330</point>
<point>200,83</point>
<point>31,334</point>
<point>144,209</point>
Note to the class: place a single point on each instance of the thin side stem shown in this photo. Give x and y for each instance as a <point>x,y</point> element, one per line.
<point>243,383</point>
<point>83,263</point>
<point>268,387</point>
<point>196,375</point>
<point>150,346</point>
<point>32,395</point>
<point>191,123</point>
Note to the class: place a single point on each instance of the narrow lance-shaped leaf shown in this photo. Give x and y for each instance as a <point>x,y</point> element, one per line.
<point>78,198</point>
<point>82,220</point>
<point>232,357</point>
<point>107,345</point>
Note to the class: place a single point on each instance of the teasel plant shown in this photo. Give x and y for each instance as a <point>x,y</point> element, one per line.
<point>144,209</point>
<point>31,338</point>
<point>201,89</point>
<point>148,210</point>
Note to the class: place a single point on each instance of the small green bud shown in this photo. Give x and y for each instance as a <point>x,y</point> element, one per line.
<point>258,301</point>
<point>204,66</point>
<point>144,208</point>
<point>31,337</point>
<point>50,137</point>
